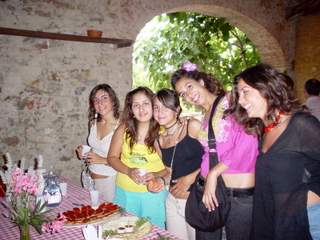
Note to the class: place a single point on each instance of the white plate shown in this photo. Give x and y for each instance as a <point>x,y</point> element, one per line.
<point>122,222</point>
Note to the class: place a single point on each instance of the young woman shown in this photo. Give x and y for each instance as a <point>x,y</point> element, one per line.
<point>181,154</point>
<point>287,193</point>
<point>103,119</point>
<point>133,150</point>
<point>237,152</point>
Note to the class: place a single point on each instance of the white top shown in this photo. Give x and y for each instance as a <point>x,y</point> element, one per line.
<point>100,147</point>
<point>313,103</point>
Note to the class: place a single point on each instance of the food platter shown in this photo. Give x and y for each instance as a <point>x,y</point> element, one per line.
<point>124,228</point>
<point>85,215</point>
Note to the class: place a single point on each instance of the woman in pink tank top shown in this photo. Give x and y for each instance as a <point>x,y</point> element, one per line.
<point>237,152</point>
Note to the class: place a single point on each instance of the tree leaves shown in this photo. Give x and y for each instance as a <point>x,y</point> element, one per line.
<point>170,39</point>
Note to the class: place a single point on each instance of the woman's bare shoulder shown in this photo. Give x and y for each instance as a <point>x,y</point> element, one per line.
<point>120,129</point>
<point>194,126</point>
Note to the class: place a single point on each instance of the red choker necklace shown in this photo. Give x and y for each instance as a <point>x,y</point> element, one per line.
<point>272,125</point>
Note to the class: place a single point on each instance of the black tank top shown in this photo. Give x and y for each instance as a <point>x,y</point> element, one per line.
<point>187,158</point>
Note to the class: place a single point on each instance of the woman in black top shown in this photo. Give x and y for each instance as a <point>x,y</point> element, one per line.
<point>181,154</point>
<point>288,166</point>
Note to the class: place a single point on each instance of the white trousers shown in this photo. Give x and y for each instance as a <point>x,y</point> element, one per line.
<point>106,187</point>
<point>175,218</point>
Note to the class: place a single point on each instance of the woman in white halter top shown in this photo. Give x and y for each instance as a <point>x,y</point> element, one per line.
<point>103,119</point>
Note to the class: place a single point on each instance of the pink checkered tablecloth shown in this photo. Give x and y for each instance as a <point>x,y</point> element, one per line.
<point>75,197</point>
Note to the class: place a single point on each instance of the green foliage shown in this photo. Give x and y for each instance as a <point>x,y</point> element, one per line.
<point>160,237</point>
<point>109,233</point>
<point>141,221</point>
<point>170,39</point>
<point>27,210</point>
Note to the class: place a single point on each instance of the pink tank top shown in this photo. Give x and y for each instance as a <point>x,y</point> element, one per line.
<point>235,148</point>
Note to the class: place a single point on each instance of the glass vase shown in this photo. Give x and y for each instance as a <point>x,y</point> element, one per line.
<point>25,232</point>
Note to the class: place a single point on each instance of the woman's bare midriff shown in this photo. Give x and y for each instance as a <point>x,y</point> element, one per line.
<point>246,180</point>
<point>97,176</point>
<point>242,180</point>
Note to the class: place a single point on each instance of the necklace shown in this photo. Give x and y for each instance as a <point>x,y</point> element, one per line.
<point>172,125</point>
<point>275,123</point>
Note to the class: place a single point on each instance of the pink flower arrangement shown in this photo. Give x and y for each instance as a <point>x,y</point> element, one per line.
<point>54,226</point>
<point>25,209</point>
<point>21,182</point>
<point>189,66</point>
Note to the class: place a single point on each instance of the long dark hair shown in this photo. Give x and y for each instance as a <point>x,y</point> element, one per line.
<point>210,83</point>
<point>169,99</point>
<point>114,99</point>
<point>131,122</point>
<point>272,85</point>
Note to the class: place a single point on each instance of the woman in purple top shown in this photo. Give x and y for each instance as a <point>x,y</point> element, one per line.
<point>237,152</point>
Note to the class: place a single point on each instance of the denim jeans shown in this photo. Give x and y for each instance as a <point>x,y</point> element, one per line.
<point>314,221</point>
<point>239,223</point>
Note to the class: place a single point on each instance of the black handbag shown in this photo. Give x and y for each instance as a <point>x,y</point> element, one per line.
<point>196,214</point>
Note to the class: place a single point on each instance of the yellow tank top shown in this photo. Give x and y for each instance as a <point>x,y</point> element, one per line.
<point>137,157</point>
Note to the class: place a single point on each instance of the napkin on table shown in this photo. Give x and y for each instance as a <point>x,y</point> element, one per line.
<point>90,232</point>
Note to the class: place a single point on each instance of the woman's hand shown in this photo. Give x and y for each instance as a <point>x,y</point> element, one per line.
<point>209,196</point>
<point>78,151</point>
<point>93,158</point>
<point>134,174</point>
<point>149,176</point>
<point>155,185</point>
<point>181,187</point>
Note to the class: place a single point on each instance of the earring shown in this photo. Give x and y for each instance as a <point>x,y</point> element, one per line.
<point>96,115</point>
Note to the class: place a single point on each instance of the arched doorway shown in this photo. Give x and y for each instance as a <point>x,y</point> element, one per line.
<point>213,44</point>
<point>263,36</point>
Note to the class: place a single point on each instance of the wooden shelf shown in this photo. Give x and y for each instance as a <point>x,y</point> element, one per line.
<point>65,37</point>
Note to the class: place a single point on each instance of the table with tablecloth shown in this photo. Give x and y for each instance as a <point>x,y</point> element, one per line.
<point>76,196</point>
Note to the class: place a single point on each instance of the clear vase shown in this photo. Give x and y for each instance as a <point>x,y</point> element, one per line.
<point>25,232</point>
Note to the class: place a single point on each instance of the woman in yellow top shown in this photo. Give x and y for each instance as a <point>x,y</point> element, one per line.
<point>134,154</point>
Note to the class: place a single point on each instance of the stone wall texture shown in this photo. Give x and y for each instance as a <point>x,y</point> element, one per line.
<point>307,64</point>
<point>44,84</point>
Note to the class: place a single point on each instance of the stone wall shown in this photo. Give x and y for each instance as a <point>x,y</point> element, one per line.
<point>307,63</point>
<point>44,84</point>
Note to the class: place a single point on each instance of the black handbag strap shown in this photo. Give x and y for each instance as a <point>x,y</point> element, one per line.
<point>213,157</point>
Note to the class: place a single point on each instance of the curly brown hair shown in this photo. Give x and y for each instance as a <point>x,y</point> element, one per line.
<point>131,122</point>
<point>272,85</point>
<point>114,99</point>
<point>210,83</point>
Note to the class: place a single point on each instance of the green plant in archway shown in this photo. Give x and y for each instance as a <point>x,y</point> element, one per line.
<point>170,39</point>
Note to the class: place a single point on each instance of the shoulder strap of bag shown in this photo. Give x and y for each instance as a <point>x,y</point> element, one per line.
<point>211,137</point>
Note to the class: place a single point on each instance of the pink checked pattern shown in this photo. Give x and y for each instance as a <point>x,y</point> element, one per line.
<point>75,195</point>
